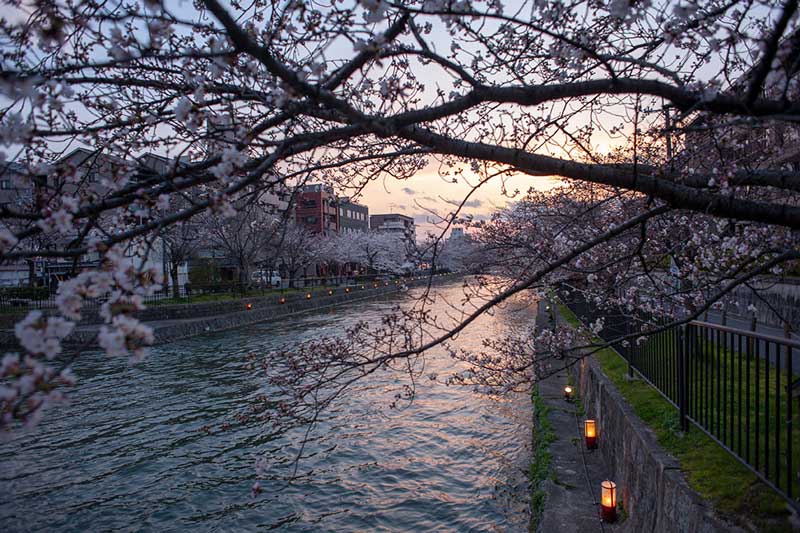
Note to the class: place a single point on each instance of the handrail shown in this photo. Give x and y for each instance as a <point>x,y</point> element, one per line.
<point>745,332</point>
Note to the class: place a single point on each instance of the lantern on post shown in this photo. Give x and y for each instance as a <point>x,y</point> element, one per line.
<point>282,300</point>
<point>308,296</point>
<point>590,432</point>
<point>608,500</point>
<point>568,393</point>
<point>347,289</point>
<point>249,306</point>
<point>330,291</point>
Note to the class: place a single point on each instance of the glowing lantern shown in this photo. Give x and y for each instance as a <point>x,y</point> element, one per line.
<point>249,306</point>
<point>362,286</point>
<point>282,300</point>
<point>608,500</point>
<point>308,296</point>
<point>347,289</point>
<point>590,432</point>
<point>567,392</point>
<point>375,285</point>
<point>330,291</point>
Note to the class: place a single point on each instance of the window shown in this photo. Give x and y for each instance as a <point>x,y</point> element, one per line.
<point>5,184</point>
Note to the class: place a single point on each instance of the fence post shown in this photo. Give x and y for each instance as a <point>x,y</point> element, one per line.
<point>791,474</point>
<point>682,375</point>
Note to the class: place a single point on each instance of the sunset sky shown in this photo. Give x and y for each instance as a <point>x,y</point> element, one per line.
<point>426,195</point>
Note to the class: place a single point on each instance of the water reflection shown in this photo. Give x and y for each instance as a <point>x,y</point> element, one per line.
<point>148,449</point>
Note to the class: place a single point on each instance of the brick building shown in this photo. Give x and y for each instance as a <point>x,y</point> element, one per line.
<point>316,209</point>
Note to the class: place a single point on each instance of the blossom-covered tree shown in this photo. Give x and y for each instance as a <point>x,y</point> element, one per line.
<point>181,242</point>
<point>243,235</point>
<point>299,248</point>
<point>376,251</point>
<point>627,99</point>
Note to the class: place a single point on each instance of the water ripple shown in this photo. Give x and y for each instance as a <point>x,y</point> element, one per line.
<point>130,454</point>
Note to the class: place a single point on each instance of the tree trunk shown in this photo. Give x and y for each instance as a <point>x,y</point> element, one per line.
<point>173,273</point>
<point>31,273</point>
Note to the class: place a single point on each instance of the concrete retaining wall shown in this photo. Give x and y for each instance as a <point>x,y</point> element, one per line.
<point>653,490</point>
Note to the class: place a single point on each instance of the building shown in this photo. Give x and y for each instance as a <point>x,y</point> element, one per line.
<point>352,216</point>
<point>395,223</point>
<point>316,209</point>
<point>320,210</point>
<point>16,191</point>
<point>88,173</point>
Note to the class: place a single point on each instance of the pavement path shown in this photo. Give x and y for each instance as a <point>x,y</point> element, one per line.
<point>763,349</point>
<point>735,321</point>
<point>573,484</point>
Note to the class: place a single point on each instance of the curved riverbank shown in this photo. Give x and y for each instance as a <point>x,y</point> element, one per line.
<point>173,322</point>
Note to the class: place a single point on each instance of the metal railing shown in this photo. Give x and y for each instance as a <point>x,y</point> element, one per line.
<point>20,300</point>
<point>737,386</point>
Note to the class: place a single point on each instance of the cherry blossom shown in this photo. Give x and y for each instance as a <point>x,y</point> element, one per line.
<point>672,129</point>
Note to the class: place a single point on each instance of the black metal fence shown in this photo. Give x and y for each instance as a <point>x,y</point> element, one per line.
<point>737,386</point>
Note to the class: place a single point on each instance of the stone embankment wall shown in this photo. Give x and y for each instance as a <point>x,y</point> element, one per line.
<point>654,492</point>
<point>180,321</point>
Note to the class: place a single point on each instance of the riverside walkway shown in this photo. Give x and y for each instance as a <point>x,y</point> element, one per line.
<point>572,486</point>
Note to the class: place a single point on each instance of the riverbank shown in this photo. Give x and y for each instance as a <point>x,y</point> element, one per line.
<point>173,322</point>
<point>667,480</point>
<point>177,441</point>
<point>566,484</point>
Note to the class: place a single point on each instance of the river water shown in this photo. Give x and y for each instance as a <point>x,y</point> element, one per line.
<point>142,448</point>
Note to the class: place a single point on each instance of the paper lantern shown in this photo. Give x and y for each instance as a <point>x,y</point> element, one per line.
<point>590,432</point>
<point>608,500</point>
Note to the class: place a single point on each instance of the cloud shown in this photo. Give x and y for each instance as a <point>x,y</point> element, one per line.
<point>409,191</point>
<point>469,203</point>
<point>430,198</point>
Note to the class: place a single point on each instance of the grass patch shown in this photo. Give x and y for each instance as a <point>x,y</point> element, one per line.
<point>540,462</point>
<point>710,470</point>
<point>256,293</point>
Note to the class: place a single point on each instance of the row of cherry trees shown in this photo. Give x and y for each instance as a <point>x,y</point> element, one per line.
<point>255,238</point>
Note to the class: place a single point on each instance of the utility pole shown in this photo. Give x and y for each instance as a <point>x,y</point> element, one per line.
<point>668,136</point>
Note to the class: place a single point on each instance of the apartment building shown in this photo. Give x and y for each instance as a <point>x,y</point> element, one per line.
<point>352,216</point>
<point>395,223</point>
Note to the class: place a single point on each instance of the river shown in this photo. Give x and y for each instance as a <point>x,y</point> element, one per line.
<point>143,448</point>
